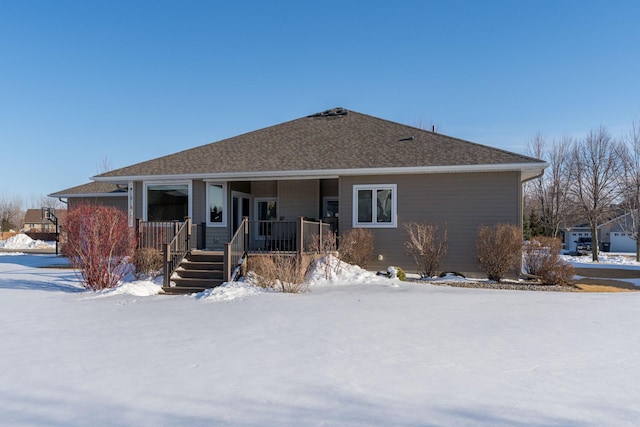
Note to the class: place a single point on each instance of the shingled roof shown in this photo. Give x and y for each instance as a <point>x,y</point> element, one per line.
<point>92,189</point>
<point>335,140</point>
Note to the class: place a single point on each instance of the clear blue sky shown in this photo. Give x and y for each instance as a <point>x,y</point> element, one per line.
<point>81,81</point>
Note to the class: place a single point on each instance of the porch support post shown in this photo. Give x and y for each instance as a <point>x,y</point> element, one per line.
<point>300,235</point>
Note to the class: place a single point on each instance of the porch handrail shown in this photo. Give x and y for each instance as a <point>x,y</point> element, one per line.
<point>235,251</point>
<point>176,250</point>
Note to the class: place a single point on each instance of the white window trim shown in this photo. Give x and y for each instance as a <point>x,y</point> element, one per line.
<point>225,205</point>
<point>145,184</point>
<point>375,224</point>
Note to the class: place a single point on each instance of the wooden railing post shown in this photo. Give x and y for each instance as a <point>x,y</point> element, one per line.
<point>188,237</point>
<point>320,237</point>
<point>300,236</point>
<point>139,231</point>
<point>245,222</point>
<point>167,259</point>
<point>226,262</point>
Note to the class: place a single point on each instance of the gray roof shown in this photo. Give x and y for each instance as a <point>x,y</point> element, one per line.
<point>92,189</point>
<point>33,216</point>
<point>332,140</point>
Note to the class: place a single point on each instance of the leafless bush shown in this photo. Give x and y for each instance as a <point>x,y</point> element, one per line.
<point>281,271</point>
<point>499,249</point>
<point>542,259</point>
<point>99,245</point>
<point>147,262</point>
<point>356,246</point>
<point>426,248</point>
<point>326,247</point>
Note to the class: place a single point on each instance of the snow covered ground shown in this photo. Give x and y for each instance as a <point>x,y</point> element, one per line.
<point>22,241</point>
<point>357,350</point>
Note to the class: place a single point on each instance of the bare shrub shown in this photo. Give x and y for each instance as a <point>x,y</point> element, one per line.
<point>147,262</point>
<point>356,246</point>
<point>499,249</point>
<point>542,259</point>
<point>425,246</point>
<point>99,245</point>
<point>282,272</point>
<point>326,247</point>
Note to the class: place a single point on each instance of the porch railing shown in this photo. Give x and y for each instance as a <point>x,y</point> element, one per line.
<point>235,251</point>
<point>176,250</point>
<point>285,236</point>
<point>154,234</point>
<point>312,230</point>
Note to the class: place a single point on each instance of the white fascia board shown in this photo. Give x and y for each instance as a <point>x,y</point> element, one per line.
<point>67,196</point>
<point>531,169</point>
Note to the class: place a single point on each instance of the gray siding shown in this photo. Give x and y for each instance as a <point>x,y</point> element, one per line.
<point>264,189</point>
<point>119,202</point>
<point>199,203</point>
<point>462,202</point>
<point>217,237</point>
<point>329,187</point>
<point>298,198</point>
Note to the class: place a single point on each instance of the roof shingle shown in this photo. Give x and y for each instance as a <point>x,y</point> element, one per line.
<point>325,142</point>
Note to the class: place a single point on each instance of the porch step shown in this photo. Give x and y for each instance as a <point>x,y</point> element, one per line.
<point>201,270</point>
<point>206,256</point>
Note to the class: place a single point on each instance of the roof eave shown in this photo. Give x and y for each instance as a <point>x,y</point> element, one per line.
<point>67,195</point>
<point>529,170</point>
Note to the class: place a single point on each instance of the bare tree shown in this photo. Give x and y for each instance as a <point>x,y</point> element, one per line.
<point>37,202</point>
<point>104,165</point>
<point>11,214</point>
<point>549,194</point>
<point>631,199</point>
<point>595,173</point>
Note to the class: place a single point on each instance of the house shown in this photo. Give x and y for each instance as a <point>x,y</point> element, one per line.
<point>575,235</point>
<point>35,221</point>
<point>342,167</point>
<point>616,235</point>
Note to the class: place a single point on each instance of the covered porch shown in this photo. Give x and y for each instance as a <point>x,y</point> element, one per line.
<point>189,268</point>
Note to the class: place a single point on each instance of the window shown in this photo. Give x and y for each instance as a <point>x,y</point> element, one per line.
<point>266,210</point>
<point>217,205</point>
<point>375,206</point>
<point>167,202</point>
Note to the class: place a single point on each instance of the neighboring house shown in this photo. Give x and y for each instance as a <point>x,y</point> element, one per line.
<point>339,166</point>
<point>574,235</point>
<point>615,235</point>
<point>35,222</point>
